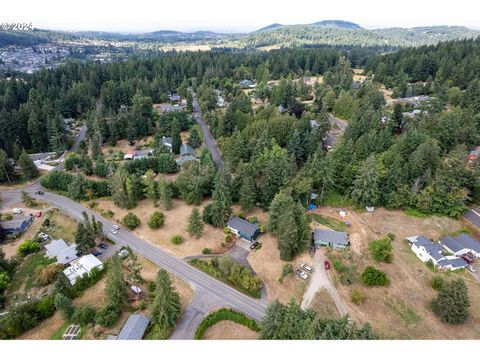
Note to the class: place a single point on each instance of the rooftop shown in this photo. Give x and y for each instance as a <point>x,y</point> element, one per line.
<point>330,236</point>
<point>62,251</point>
<point>243,226</point>
<point>134,328</point>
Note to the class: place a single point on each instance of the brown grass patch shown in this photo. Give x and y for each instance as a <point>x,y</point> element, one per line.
<point>228,330</point>
<point>323,304</point>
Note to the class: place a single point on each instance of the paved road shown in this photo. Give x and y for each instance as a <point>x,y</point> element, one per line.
<point>207,136</point>
<point>81,135</point>
<point>473,215</point>
<point>219,294</point>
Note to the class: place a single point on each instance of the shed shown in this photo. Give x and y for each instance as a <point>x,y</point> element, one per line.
<point>243,228</point>
<point>332,238</point>
<point>134,328</point>
<point>17,225</point>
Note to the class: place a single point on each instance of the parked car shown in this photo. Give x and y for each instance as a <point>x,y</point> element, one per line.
<point>17,211</point>
<point>114,232</point>
<point>103,246</point>
<point>96,252</point>
<point>123,253</point>
<point>43,236</point>
<point>39,214</point>
<point>468,259</point>
<point>306,268</point>
<point>116,227</point>
<point>39,192</point>
<point>254,245</point>
<point>471,268</point>
<point>327,265</point>
<point>302,274</point>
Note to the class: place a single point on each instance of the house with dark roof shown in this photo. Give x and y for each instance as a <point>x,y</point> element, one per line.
<point>335,239</point>
<point>451,263</point>
<point>461,245</point>
<point>243,228</point>
<point>134,328</point>
<point>247,84</point>
<point>17,225</point>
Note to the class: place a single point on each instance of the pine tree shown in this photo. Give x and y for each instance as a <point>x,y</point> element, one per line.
<point>27,167</point>
<point>195,223</point>
<point>65,305</point>
<point>176,139</point>
<point>165,193</point>
<point>366,189</point>
<point>6,169</point>
<point>84,240</point>
<point>122,189</point>
<point>221,206</point>
<point>166,308</point>
<point>248,193</point>
<point>150,186</point>
<point>295,147</point>
<point>116,289</point>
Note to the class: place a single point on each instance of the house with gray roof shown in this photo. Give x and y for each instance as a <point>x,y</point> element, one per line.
<point>187,153</point>
<point>451,263</point>
<point>243,228</point>
<point>335,239</point>
<point>60,250</point>
<point>17,225</point>
<point>461,245</point>
<point>134,328</point>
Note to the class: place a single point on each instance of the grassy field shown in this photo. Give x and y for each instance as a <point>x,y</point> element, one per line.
<point>61,226</point>
<point>333,224</point>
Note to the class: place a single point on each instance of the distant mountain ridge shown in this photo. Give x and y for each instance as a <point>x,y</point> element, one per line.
<point>325,32</point>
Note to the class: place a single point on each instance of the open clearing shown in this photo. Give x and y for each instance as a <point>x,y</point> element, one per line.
<point>228,330</point>
<point>176,220</point>
<point>400,310</point>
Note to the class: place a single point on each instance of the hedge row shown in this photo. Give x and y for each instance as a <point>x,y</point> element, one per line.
<point>225,314</point>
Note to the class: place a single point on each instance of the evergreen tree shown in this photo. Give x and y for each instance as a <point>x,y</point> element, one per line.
<point>6,169</point>
<point>221,206</point>
<point>166,308</point>
<point>248,193</point>
<point>116,289</point>
<point>365,187</point>
<point>195,223</point>
<point>65,305</point>
<point>176,139</point>
<point>84,240</point>
<point>27,167</point>
<point>165,193</point>
<point>452,302</point>
<point>150,186</point>
<point>122,189</point>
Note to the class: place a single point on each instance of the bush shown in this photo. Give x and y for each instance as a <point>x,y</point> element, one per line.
<point>452,303</point>
<point>226,230</point>
<point>131,221</point>
<point>228,238</point>
<point>46,274</point>
<point>84,315</point>
<point>437,283</point>
<point>287,269</point>
<point>206,251</point>
<point>381,250</point>
<point>177,239</point>
<point>253,220</point>
<point>108,315</point>
<point>374,277</point>
<point>156,220</point>
<point>357,297</point>
<point>225,314</point>
<point>28,247</point>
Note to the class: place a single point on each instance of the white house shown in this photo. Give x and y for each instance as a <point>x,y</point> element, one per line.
<point>62,251</point>
<point>451,263</point>
<point>425,249</point>
<point>82,266</point>
<point>461,245</point>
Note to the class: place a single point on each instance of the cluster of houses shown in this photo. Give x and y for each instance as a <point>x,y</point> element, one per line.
<point>66,254</point>
<point>448,252</point>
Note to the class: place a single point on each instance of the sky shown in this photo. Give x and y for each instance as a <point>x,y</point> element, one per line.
<point>233,16</point>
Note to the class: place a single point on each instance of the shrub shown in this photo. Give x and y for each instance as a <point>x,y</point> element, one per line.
<point>206,251</point>
<point>28,247</point>
<point>226,230</point>
<point>84,315</point>
<point>177,239</point>
<point>437,283</point>
<point>253,220</point>
<point>156,220</point>
<point>47,274</point>
<point>452,303</point>
<point>46,222</point>
<point>287,269</point>
<point>225,314</point>
<point>357,297</point>
<point>108,315</point>
<point>381,250</point>
<point>228,238</point>
<point>262,228</point>
<point>131,221</point>
<point>374,277</point>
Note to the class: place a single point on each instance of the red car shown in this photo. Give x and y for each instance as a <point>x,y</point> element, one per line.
<point>39,214</point>
<point>327,265</point>
<point>468,259</point>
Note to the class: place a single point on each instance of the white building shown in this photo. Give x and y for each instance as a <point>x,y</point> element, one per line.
<point>62,251</point>
<point>82,266</point>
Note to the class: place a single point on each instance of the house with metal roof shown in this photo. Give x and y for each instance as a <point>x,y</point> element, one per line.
<point>451,263</point>
<point>167,142</point>
<point>82,266</point>
<point>134,328</point>
<point>425,249</point>
<point>17,225</point>
<point>334,239</point>
<point>243,228</point>
<point>187,153</point>
<point>60,250</point>
<point>461,245</point>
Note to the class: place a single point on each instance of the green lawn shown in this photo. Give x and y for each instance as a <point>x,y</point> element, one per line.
<point>333,224</point>
<point>58,335</point>
<point>26,272</point>
<point>335,199</point>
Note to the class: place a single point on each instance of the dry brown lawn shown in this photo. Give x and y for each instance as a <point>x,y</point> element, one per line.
<point>122,145</point>
<point>323,304</point>
<point>228,330</point>
<point>358,75</point>
<point>176,220</point>
<point>268,266</point>
<point>401,310</point>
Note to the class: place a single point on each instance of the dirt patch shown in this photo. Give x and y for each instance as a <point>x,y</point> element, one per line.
<point>176,220</point>
<point>228,330</point>
<point>401,310</point>
<point>323,304</point>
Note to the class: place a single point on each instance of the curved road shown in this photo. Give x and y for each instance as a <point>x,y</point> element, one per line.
<point>214,294</point>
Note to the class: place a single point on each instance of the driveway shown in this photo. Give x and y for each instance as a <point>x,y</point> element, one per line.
<point>321,279</point>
